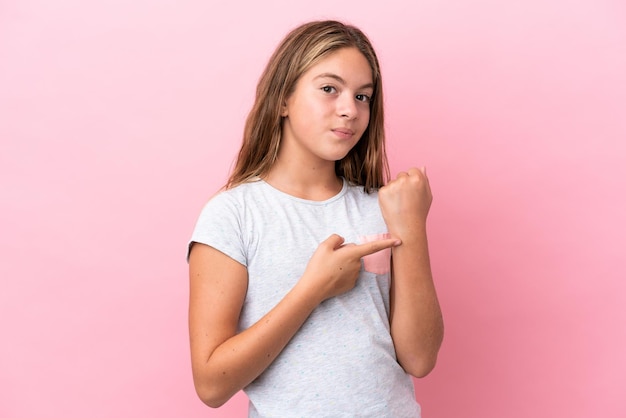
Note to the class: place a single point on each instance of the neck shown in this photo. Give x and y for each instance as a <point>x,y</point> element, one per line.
<point>314,182</point>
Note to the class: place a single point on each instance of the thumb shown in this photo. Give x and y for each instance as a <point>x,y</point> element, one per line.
<point>334,241</point>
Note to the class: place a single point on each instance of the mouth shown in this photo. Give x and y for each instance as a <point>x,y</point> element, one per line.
<point>344,133</point>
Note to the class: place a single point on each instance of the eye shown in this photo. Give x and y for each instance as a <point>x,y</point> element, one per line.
<point>329,89</point>
<point>363,98</point>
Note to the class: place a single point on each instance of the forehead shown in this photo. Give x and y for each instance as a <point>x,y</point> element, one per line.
<point>347,63</point>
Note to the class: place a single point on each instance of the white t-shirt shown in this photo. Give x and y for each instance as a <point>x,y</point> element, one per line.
<point>342,362</point>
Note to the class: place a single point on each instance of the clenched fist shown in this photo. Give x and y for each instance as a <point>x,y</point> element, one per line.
<point>405,202</point>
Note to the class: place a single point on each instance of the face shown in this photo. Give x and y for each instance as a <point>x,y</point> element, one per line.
<point>329,109</point>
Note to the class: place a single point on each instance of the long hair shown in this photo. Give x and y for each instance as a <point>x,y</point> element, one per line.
<point>366,163</point>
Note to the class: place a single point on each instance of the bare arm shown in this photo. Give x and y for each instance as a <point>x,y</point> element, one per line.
<point>223,362</point>
<point>415,315</point>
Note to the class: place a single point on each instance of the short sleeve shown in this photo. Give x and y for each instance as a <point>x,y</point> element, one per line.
<point>220,226</point>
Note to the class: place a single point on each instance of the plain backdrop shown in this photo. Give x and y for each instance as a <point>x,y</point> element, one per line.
<point>119,119</point>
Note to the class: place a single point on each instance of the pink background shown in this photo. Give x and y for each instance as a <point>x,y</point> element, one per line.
<point>119,119</point>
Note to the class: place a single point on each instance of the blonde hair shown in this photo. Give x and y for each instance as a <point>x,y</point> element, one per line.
<point>366,164</point>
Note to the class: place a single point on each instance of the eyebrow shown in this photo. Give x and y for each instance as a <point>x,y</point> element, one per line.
<point>342,81</point>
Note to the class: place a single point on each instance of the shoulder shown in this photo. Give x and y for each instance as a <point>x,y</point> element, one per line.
<point>234,196</point>
<point>228,206</point>
<point>225,219</point>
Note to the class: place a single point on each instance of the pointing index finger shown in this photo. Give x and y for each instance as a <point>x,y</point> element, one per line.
<point>374,246</point>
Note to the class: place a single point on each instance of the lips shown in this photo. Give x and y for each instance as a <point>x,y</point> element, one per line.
<point>344,133</point>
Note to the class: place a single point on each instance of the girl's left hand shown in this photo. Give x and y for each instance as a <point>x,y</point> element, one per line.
<point>405,203</point>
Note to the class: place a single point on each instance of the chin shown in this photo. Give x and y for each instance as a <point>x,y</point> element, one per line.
<point>338,154</point>
<point>337,157</point>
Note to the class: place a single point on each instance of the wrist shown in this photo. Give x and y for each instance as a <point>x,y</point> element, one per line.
<point>410,234</point>
<point>309,295</point>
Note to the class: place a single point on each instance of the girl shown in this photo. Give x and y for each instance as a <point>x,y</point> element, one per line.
<point>310,281</point>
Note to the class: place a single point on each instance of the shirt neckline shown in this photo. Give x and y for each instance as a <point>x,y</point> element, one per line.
<point>285,195</point>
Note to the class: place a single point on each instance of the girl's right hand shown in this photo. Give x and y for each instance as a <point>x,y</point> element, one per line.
<point>334,267</point>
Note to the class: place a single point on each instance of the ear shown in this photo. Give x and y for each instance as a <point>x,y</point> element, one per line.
<point>283,110</point>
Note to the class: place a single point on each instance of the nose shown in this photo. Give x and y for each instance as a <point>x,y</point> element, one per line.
<point>346,106</point>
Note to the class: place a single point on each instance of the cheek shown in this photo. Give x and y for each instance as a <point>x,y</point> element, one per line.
<point>304,122</point>
<point>365,120</point>
<point>309,109</point>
